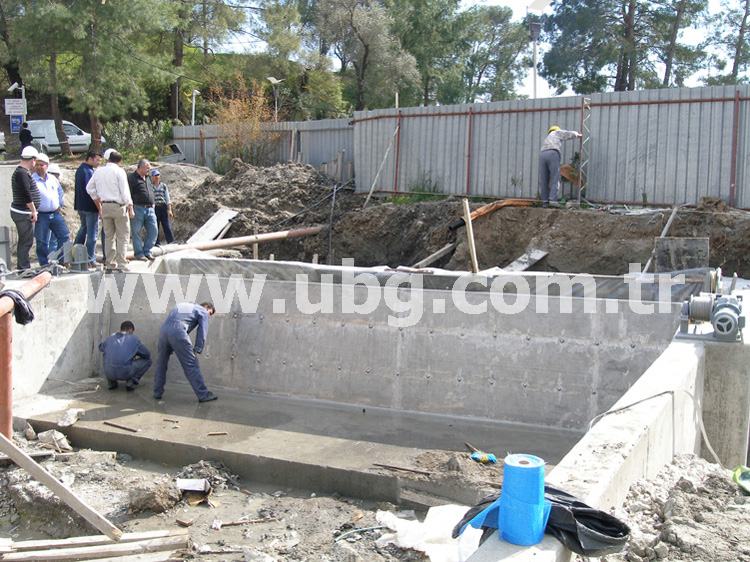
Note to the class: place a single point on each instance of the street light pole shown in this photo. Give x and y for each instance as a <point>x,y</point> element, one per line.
<point>535,28</point>
<point>192,119</point>
<point>275,84</point>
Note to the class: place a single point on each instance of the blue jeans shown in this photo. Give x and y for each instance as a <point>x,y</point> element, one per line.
<point>46,223</point>
<point>144,217</point>
<point>88,233</point>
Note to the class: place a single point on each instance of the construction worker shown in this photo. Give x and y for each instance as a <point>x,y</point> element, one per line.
<point>549,165</point>
<point>125,357</point>
<point>174,336</point>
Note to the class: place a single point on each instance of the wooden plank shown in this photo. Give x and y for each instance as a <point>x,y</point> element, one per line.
<point>470,237</point>
<point>213,226</point>
<point>173,556</point>
<point>432,258</point>
<point>58,488</point>
<point>524,262</point>
<point>96,552</point>
<point>95,540</point>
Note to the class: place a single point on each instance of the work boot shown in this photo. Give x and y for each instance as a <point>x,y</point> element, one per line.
<point>129,385</point>
<point>111,384</point>
<point>555,204</point>
<point>210,396</point>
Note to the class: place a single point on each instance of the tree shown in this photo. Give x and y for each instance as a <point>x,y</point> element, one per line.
<point>112,57</point>
<point>39,60</point>
<point>10,10</point>
<point>427,29</point>
<point>732,37</point>
<point>621,44</point>
<point>495,59</point>
<point>359,31</point>
<point>199,26</point>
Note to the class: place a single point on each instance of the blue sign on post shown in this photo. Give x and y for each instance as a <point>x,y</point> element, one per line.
<point>15,123</point>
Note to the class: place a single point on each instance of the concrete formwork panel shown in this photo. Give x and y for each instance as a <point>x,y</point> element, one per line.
<point>59,344</point>
<point>557,368</point>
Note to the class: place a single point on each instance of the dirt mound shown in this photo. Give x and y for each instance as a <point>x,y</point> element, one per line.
<point>289,196</point>
<point>692,510</point>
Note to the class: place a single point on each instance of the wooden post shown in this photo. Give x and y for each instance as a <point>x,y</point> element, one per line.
<point>255,246</point>
<point>470,236</point>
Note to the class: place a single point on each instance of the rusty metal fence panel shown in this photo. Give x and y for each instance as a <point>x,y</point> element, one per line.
<point>669,146</point>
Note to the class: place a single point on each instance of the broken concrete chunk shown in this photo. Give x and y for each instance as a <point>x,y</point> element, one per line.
<point>157,496</point>
<point>30,433</point>
<point>70,417</point>
<point>55,438</point>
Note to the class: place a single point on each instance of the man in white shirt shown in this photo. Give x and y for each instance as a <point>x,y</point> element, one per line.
<point>109,190</point>
<point>49,219</point>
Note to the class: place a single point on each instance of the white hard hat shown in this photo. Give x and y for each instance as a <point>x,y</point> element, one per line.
<point>54,169</point>
<point>108,153</point>
<point>29,152</point>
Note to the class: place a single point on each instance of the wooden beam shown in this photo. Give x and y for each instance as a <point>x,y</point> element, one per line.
<point>96,540</point>
<point>526,260</point>
<point>470,236</point>
<point>432,258</point>
<point>213,227</point>
<point>98,551</point>
<point>40,474</point>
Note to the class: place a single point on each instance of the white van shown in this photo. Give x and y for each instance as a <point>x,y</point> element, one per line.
<point>45,137</point>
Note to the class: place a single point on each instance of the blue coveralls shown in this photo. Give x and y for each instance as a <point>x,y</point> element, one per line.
<point>173,336</point>
<point>120,363</point>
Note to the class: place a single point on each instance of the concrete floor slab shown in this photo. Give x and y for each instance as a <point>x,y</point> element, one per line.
<point>314,445</point>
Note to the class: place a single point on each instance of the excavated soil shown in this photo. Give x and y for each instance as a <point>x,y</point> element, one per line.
<point>602,241</point>
<point>291,196</point>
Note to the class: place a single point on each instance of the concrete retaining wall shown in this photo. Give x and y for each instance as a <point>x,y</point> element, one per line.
<point>556,368</point>
<point>659,419</point>
<point>59,344</point>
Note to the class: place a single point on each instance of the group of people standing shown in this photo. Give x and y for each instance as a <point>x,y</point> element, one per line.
<point>35,209</point>
<point>123,202</point>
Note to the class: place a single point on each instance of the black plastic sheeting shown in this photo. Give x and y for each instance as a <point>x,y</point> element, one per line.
<point>581,528</point>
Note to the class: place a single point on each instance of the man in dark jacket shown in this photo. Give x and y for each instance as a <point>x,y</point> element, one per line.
<point>23,209</point>
<point>25,137</point>
<point>125,357</point>
<point>87,211</point>
<point>145,216</point>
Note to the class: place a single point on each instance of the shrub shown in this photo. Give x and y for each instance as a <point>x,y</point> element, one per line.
<point>135,139</point>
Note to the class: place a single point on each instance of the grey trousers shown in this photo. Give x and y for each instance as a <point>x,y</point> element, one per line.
<point>549,175</point>
<point>25,229</point>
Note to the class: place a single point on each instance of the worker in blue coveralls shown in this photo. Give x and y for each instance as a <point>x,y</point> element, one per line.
<point>125,357</point>
<point>174,336</point>
<point>549,165</point>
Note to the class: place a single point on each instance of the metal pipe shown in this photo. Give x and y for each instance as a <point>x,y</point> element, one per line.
<point>734,147</point>
<point>552,109</point>
<point>28,290</point>
<point>398,146</point>
<point>231,242</point>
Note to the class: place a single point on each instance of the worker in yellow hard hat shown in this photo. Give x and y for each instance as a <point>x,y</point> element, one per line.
<point>549,164</point>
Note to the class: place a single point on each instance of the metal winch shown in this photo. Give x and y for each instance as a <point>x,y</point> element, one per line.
<point>724,312</point>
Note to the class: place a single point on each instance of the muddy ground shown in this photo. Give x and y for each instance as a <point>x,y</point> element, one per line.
<point>596,241</point>
<point>692,511</point>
